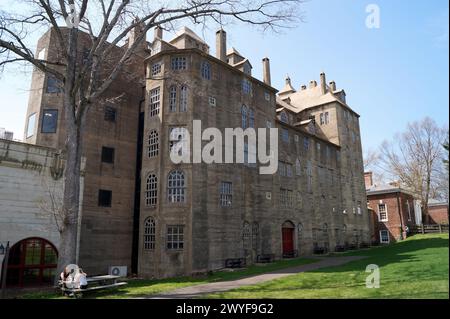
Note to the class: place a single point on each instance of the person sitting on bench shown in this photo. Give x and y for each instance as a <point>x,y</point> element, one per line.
<point>80,279</point>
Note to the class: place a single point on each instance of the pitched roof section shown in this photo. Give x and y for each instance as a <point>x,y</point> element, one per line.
<point>233,51</point>
<point>386,189</point>
<point>186,31</point>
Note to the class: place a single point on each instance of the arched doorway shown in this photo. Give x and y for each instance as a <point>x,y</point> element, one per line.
<point>288,230</point>
<point>32,261</point>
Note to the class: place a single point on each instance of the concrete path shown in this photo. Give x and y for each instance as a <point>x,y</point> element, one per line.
<point>198,290</point>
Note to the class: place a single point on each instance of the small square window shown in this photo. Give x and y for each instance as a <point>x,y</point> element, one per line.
<point>110,114</point>
<point>267,96</point>
<point>212,101</point>
<point>104,198</point>
<point>107,155</point>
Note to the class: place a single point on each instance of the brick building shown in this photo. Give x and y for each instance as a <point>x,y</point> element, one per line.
<point>163,219</point>
<point>437,212</point>
<point>392,210</point>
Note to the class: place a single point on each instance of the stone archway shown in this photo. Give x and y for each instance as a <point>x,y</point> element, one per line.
<point>31,262</point>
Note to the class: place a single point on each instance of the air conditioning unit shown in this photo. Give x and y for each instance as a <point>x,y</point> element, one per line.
<point>118,271</point>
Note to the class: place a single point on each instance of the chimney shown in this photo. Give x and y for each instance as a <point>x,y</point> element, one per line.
<point>323,83</point>
<point>136,32</point>
<point>266,71</point>
<point>158,32</point>
<point>368,180</point>
<point>221,45</point>
<point>332,86</point>
<point>312,84</point>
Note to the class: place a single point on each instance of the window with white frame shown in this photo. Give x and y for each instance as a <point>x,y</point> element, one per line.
<point>178,140</point>
<point>153,143</point>
<point>154,102</point>
<point>156,68</point>
<point>149,234</point>
<point>183,98</point>
<point>175,237</point>
<point>206,70</point>
<point>226,194</point>
<point>151,190</point>
<point>173,98</point>
<point>176,187</point>
<point>382,213</point>
<point>384,236</point>
<point>178,63</point>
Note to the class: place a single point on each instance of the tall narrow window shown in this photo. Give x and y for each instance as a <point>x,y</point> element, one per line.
<point>49,121</point>
<point>306,143</point>
<point>206,70</point>
<point>309,176</point>
<point>285,135</point>
<point>175,237</point>
<point>327,118</point>
<point>226,194</point>
<point>298,167</point>
<point>151,191</point>
<point>384,236</point>
<point>244,116</point>
<point>382,213</point>
<point>153,143</point>
<point>284,118</point>
<point>154,102</point>
<point>255,235</point>
<point>246,86</point>
<point>149,234</point>
<point>183,98</point>
<point>110,114</point>
<point>322,118</point>
<point>176,187</point>
<point>251,118</point>
<point>31,126</point>
<point>173,98</point>
<point>246,235</point>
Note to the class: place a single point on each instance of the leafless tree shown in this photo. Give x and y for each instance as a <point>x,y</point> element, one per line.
<point>108,23</point>
<point>415,159</point>
<point>370,159</point>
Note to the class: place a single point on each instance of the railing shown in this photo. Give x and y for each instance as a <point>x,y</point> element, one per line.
<point>429,229</point>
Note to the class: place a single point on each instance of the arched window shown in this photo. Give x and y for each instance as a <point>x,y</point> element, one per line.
<point>183,98</point>
<point>246,235</point>
<point>31,261</point>
<point>206,70</point>
<point>300,229</point>
<point>176,187</point>
<point>283,117</point>
<point>153,143</point>
<point>255,234</point>
<point>244,116</point>
<point>151,191</point>
<point>173,98</point>
<point>251,118</point>
<point>149,234</point>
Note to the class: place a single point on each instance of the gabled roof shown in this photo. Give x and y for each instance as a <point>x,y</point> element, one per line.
<point>233,51</point>
<point>186,31</point>
<point>242,62</point>
<point>386,189</point>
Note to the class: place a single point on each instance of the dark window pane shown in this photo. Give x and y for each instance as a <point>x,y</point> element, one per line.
<point>104,198</point>
<point>49,121</point>
<point>110,114</point>
<point>107,154</point>
<point>53,85</point>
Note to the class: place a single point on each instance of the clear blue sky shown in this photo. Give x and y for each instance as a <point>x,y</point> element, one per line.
<point>392,75</point>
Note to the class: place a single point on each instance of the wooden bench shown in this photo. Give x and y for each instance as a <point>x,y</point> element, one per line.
<point>95,283</point>
<point>265,258</point>
<point>319,250</point>
<point>290,254</point>
<point>235,263</point>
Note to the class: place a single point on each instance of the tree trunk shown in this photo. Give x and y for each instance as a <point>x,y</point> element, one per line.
<point>68,243</point>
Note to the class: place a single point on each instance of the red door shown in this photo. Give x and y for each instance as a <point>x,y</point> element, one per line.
<point>288,240</point>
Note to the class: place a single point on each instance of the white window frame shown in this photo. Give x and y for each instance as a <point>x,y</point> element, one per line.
<point>381,237</point>
<point>149,234</point>
<point>155,101</point>
<point>386,211</point>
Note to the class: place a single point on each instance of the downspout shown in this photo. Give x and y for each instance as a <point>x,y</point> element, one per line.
<point>400,214</point>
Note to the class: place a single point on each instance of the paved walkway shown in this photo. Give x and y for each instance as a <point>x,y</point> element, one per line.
<point>198,290</point>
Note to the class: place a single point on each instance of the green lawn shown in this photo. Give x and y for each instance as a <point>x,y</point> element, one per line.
<point>139,287</point>
<point>414,268</point>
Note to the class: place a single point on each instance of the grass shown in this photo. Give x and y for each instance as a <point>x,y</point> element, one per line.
<point>141,287</point>
<point>414,268</point>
